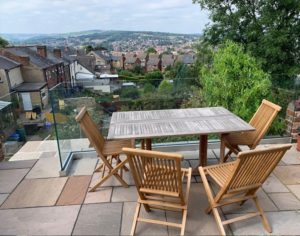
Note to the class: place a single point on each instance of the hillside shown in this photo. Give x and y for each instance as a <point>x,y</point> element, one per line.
<point>120,40</point>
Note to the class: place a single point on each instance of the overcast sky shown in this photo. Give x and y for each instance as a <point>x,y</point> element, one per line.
<point>58,16</point>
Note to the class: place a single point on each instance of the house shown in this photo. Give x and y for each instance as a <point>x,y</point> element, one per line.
<point>130,61</point>
<point>37,66</point>
<point>143,58</point>
<point>84,67</point>
<point>32,94</point>
<point>10,75</point>
<point>153,62</point>
<point>186,59</point>
<point>166,60</point>
<point>104,61</point>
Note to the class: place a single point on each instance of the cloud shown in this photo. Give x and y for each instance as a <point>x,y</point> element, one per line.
<point>47,16</point>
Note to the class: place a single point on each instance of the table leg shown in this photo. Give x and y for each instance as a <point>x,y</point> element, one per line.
<point>222,148</point>
<point>148,144</point>
<point>203,150</point>
<point>143,144</point>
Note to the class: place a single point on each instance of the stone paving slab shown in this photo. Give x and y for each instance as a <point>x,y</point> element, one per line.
<point>292,156</point>
<point>127,217</point>
<point>198,222</point>
<point>265,202</point>
<point>102,194</point>
<point>7,165</point>
<point>9,179</point>
<point>83,166</point>
<point>295,189</point>
<point>3,197</point>
<point>112,181</point>
<point>35,192</point>
<point>99,219</point>
<point>58,220</point>
<point>21,156</point>
<point>121,194</point>
<point>282,223</point>
<point>285,201</point>
<point>31,146</point>
<point>151,229</point>
<point>74,191</point>
<point>48,146</point>
<point>48,166</point>
<point>273,185</point>
<point>288,174</point>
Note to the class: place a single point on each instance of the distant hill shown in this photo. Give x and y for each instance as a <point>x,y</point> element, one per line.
<point>100,37</point>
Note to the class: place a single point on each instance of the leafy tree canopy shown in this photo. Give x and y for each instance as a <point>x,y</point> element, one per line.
<point>154,77</point>
<point>3,42</point>
<point>151,50</point>
<point>149,88</point>
<point>235,80</point>
<point>165,87</point>
<point>88,48</point>
<point>269,29</point>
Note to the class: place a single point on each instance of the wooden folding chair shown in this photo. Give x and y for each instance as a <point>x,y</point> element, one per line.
<point>158,177</point>
<point>108,151</point>
<point>239,180</point>
<point>261,121</point>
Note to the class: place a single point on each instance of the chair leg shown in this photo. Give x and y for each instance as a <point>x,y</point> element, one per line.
<point>183,223</point>
<point>135,218</point>
<point>219,221</point>
<point>227,155</point>
<point>264,219</point>
<point>208,210</point>
<point>114,171</point>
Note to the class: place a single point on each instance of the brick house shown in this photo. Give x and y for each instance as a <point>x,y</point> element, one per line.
<point>37,65</point>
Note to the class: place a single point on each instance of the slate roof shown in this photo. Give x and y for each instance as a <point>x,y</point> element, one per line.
<point>153,59</point>
<point>8,64</point>
<point>4,104</point>
<point>106,57</point>
<point>186,59</point>
<point>35,58</point>
<point>130,58</point>
<point>30,87</point>
<point>167,60</point>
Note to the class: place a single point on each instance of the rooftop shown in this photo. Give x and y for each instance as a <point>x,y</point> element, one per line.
<point>35,200</point>
<point>8,64</point>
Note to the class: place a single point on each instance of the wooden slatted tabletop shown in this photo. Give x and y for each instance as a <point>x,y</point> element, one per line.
<point>176,122</point>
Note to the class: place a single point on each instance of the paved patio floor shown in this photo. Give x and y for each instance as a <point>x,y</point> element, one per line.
<point>35,200</point>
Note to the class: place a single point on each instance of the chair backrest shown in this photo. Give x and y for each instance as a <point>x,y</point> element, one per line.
<point>253,167</point>
<point>91,131</point>
<point>261,121</point>
<point>156,172</point>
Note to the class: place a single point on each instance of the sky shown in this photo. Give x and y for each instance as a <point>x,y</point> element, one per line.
<point>61,16</point>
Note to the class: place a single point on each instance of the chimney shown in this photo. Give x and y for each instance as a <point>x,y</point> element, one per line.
<point>42,51</point>
<point>24,60</point>
<point>57,52</point>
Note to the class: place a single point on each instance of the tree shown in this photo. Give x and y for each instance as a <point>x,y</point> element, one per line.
<point>235,81</point>
<point>130,92</point>
<point>165,87</point>
<point>151,50</point>
<point>3,42</point>
<point>88,48</point>
<point>154,77</point>
<point>269,29</point>
<point>149,88</point>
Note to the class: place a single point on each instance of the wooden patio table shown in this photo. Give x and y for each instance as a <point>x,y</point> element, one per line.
<point>176,122</point>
